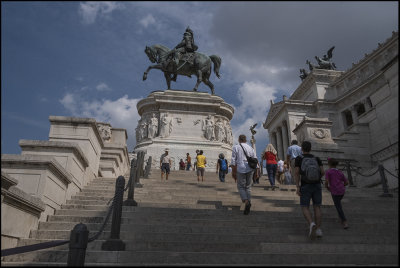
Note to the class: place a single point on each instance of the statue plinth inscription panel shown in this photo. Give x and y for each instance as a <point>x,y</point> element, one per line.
<point>184,121</point>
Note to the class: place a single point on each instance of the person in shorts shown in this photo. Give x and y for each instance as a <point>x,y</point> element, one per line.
<point>188,161</point>
<point>165,164</point>
<point>195,161</point>
<point>201,165</point>
<point>308,191</point>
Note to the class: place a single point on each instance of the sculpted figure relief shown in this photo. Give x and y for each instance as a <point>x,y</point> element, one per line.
<point>219,131</point>
<point>208,128</point>
<point>105,132</point>
<point>229,136</point>
<point>165,126</point>
<point>142,129</point>
<point>153,126</point>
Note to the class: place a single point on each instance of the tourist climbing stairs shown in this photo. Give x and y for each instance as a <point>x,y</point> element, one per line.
<point>185,222</point>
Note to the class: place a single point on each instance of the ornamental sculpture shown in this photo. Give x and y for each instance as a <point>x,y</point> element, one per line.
<point>183,60</point>
<point>208,128</point>
<point>165,126</point>
<point>153,126</point>
<point>105,132</point>
<point>219,131</point>
<point>324,62</point>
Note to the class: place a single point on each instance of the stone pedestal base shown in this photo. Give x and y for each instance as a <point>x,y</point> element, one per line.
<point>184,121</point>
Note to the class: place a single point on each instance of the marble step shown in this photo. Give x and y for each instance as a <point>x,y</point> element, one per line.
<point>217,258</point>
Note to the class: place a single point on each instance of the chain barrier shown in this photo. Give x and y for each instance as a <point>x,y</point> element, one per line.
<point>355,170</point>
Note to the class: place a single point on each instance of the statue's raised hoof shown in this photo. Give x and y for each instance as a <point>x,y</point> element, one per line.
<point>144,77</point>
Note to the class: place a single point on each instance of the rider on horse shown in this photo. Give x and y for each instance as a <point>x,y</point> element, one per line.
<point>186,45</point>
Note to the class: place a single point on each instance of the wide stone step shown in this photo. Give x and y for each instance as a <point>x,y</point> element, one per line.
<point>207,220</point>
<point>318,246</point>
<point>170,258</point>
<point>289,235</point>
<point>225,228</point>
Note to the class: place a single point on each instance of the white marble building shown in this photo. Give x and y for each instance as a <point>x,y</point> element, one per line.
<point>351,115</point>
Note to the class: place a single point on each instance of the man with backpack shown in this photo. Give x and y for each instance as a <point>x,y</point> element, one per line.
<point>222,167</point>
<point>309,171</point>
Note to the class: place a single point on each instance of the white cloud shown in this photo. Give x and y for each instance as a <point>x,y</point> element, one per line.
<point>90,10</point>
<point>121,113</point>
<point>146,21</point>
<point>103,87</point>
<point>254,97</point>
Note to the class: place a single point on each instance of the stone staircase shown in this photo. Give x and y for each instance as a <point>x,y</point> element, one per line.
<point>185,222</point>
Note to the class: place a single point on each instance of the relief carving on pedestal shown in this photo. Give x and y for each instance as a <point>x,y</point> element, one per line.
<point>219,131</point>
<point>142,129</point>
<point>165,126</point>
<point>152,126</point>
<point>319,133</point>
<point>105,132</point>
<point>228,132</point>
<point>208,128</point>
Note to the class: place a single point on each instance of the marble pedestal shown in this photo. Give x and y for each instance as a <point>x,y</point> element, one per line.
<point>184,121</point>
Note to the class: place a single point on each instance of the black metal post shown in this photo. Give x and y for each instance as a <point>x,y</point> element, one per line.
<point>141,165</point>
<point>139,169</point>
<point>349,176</point>
<point>114,243</point>
<point>384,182</point>
<point>148,167</point>
<point>131,191</point>
<point>77,245</point>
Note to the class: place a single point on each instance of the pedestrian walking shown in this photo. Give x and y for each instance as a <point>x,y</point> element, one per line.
<point>286,173</point>
<point>201,165</point>
<point>293,151</point>
<point>242,173</point>
<point>165,164</point>
<point>335,182</point>
<point>280,171</point>
<point>222,167</point>
<point>308,172</point>
<point>188,161</point>
<point>195,162</point>
<point>270,158</point>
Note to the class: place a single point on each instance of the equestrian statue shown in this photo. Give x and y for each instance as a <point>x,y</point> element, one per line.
<point>183,60</point>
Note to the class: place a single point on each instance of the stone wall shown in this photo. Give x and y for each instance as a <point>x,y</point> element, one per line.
<point>50,172</point>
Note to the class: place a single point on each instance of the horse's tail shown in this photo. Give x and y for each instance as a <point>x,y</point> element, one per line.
<point>217,63</point>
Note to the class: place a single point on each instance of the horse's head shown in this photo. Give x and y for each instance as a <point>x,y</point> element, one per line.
<point>150,53</point>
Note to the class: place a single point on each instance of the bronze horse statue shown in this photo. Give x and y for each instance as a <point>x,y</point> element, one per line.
<point>199,65</point>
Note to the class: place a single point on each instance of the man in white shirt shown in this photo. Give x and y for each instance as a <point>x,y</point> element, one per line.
<point>165,164</point>
<point>241,172</point>
<point>293,151</point>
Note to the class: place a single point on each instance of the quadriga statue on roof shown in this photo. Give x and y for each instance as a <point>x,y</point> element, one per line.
<point>324,62</point>
<point>183,60</point>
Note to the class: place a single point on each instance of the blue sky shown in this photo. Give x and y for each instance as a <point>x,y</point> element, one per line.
<point>87,59</point>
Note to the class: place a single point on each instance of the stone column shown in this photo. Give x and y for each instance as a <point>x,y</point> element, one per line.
<point>272,138</point>
<point>279,147</point>
<point>284,139</point>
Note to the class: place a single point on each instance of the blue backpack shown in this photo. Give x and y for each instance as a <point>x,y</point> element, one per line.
<point>223,167</point>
